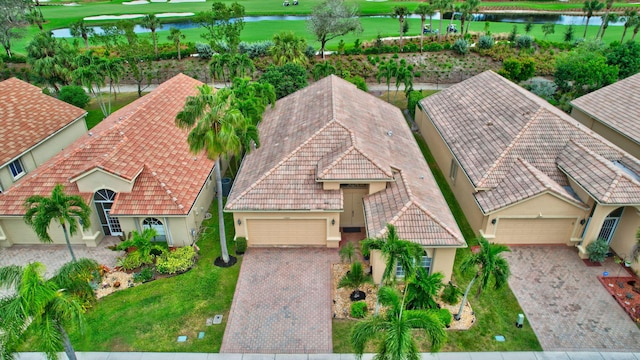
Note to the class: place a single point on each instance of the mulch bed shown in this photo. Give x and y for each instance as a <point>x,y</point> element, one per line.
<point>626,291</point>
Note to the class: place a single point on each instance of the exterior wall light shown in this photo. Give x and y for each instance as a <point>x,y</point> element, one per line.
<point>333,221</point>
<point>239,222</point>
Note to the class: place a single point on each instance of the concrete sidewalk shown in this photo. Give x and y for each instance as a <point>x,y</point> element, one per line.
<point>524,355</point>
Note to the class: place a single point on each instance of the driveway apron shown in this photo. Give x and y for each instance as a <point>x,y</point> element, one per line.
<point>282,302</point>
<point>565,303</point>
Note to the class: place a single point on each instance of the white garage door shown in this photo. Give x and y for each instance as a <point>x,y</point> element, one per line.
<point>289,232</point>
<point>534,231</point>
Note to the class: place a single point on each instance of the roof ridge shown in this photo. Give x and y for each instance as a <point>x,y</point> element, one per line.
<point>335,161</point>
<point>386,172</point>
<point>163,185</point>
<point>535,172</point>
<point>436,219</point>
<point>284,160</point>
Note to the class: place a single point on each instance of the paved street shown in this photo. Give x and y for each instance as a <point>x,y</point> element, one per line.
<point>565,303</point>
<point>282,302</point>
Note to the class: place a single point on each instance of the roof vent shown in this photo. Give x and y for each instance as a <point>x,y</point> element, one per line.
<point>490,123</point>
<point>162,185</point>
<point>389,133</point>
<point>90,133</point>
<point>421,177</point>
<point>195,158</point>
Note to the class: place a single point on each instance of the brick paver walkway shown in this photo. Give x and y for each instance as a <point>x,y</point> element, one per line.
<point>282,302</point>
<point>565,303</point>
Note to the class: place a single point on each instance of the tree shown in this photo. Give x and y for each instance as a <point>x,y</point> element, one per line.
<point>140,70</point>
<point>423,289</point>
<point>472,7</point>
<point>548,28</point>
<point>74,95</point>
<point>425,10</point>
<point>51,59</point>
<point>80,29</point>
<point>90,73</point>
<point>605,19</point>
<point>288,48</point>
<point>252,98</point>
<point>404,76</point>
<point>65,209</point>
<point>630,19</point>
<point>332,19</point>
<point>12,21</point>
<point>400,12</point>
<point>323,69</point>
<point>286,79</point>
<point>109,37</point>
<point>387,71</point>
<point>568,34</point>
<point>224,25</point>
<point>394,329</point>
<point>145,250</point>
<point>583,70</point>
<point>353,279</point>
<point>605,23</point>
<point>151,22</point>
<point>518,70</point>
<point>240,66</point>
<point>44,307</point>
<point>176,36</point>
<point>590,7</point>
<point>443,6</point>
<point>626,57</point>
<point>528,26</point>
<point>113,69</point>
<point>488,264</point>
<point>635,30</point>
<point>219,63</point>
<point>34,17</point>
<point>215,126</point>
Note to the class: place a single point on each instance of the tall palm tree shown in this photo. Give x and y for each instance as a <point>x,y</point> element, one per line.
<point>51,59</point>
<point>630,19</point>
<point>395,328</point>
<point>487,263</point>
<point>425,10</point>
<point>215,126</point>
<point>605,23</point>
<point>40,306</point>
<point>90,73</point>
<point>288,48</point>
<point>252,98</point>
<point>151,22</point>
<point>590,7</point>
<point>443,6</point>
<point>65,209</point>
<point>176,36</point>
<point>241,65</point>
<point>80,29</point>
<point>113,69</point>
<point>472,7</point>
<point>404,76</point>
<point>423,289</point>
<point>605,18</point>
<point>387,71</point>
<point>400,13</point>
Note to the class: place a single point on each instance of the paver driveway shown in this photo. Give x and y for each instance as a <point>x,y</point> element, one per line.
<point>565,303</point>
<point>282,302</point>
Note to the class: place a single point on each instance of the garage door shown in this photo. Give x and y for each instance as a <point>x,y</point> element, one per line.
<point>298,232</point>
<point>534,231</point>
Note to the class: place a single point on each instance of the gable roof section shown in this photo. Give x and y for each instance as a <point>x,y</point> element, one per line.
<point>330,130</point>
<point>27,117</point>
<point>489,123</point>
<point>616,105</point>
<point>139,142</point>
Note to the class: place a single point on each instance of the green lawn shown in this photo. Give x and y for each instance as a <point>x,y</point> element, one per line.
<point>151,316</point>
<point>94,114</point>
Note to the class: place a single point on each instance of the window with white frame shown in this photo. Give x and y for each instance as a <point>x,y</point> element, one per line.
<point>425,263</point>
<point>153,223</point>
<point>16,168</point>
<point>453,171</point>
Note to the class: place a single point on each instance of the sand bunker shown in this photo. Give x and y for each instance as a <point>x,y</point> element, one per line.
<point>136,2</point>
<point>174,14</point>
<point>114,17</point>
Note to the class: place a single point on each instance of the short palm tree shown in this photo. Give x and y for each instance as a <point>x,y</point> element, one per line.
<point>590,7</point>
<point>487,263</point>
<point>65,209</point>
<point>240,66</point>
<point>630,20</point>
<point>606,19</point>
<point>151,22</point>
<point>80,29</point>
<point>394,329</point>
<point>400,13</point>
<point>288,48</point>
<point>423,289</point>
<point>176,36</point>
<point>323,69</point>
<point>387,71</point>
<point>219,67</point>
<point>145,249</point>
<point>42,307</point>
<point>353,280</point>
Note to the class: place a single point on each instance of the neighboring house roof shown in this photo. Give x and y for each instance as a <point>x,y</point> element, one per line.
<point>616,106</point>
<point>332,131</point>
<point>509,141</point>
<point>27,117</point>
<point>138,143</point>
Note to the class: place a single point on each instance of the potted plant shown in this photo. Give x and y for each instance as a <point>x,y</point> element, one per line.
<point>598,250</point>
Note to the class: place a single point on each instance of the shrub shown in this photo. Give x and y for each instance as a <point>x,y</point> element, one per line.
<point>241,245</point>
<point>256,49</point>
<point>74,95</point>
<point>461,46</point>
<point>359,309</point>
<point>451,294</point>
<point>544,88</point>
<point>518,70</point>
<point>485,42</point>
<point>204,51</point>
<point>524,41</point>
<point>445,316</point>
<point>144,275</point>
<point>310,51</point>
<point>177,261</point>
<point>412,101</point>
<point>347,252</point>
<point>359,82</point>
<point>598,250</point>
<point>131,261</point>
<point>433,47</point>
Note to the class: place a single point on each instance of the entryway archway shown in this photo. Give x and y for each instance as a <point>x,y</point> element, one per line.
<point>104,202</point>
<point>610,224</point>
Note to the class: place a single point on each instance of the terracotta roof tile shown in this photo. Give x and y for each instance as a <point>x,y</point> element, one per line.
<point>27,117</point>
<point>139,141</point>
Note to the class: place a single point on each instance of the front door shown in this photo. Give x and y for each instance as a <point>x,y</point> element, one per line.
<point>609,225</point>
<point>353,215</point>
<point>103,200</point>
<point>113,222</point>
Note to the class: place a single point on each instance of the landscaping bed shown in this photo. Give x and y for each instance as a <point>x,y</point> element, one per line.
<point>626,291</point>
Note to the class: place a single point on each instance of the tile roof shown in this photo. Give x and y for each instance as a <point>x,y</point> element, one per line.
<point>492,125</point>
<point>139,142</point>
<point>27,117</point>
<point>343,133</point>
<point>616,105</point>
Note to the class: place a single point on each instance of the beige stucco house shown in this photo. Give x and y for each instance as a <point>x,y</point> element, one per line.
<point>525,172</point>
<point>134,169</point>
<point>335,159</point>
<point>34,127</point>
<point>614,113</point>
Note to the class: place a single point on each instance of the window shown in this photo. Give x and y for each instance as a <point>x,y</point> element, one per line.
<point>453,172</point>
<point>425,263</point>
<point>17,170</point>
<point>153,223</point>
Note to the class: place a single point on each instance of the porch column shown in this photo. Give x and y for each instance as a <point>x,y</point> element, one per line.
<point>595,224</point>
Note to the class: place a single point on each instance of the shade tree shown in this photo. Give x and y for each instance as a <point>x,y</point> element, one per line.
<point>332,19</point>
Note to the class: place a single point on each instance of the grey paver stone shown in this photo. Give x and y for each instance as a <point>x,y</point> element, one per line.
<point>454,356</point>
<point>292,357</point>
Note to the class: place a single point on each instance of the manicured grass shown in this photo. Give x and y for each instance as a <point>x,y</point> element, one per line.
<point>94,114</point>
<point>151,316</point>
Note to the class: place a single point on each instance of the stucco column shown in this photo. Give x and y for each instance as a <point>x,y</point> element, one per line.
<point>378,264</point>
<point>591,235</point>
<point>4,240</point>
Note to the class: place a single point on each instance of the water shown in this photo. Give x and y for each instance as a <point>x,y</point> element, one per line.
<point>508,18</point>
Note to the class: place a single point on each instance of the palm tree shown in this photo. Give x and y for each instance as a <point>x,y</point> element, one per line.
<point>42,307</point>
<point>425,10</point>
<point>51,59</point>
<point>176,36</point>
<point>113,69</point>
<point>395,328</point>
<point>353,280</point>
<point>240,65</point>
<point>404,76</point>
<point>90,73</point>
<point>80,29</point>
<point>590,7</point>
<point>423,289</point>
<point>152,23</point>
<point>472,7</point>
<point>605,23</point>
<point>252,98</point>
<point>65,209</point>
<point>488,263</point>
<point>387,71</point>
<point>288,48</point>
<point>215,126</point>
<point>635,30</point>
<point>219,63</point>
<point>400,12</point>
<point>443,5</point>
<point>323,69</point>
<point>605,18</point>
<point>34,17</point>
<point>145,249</point>
<point>630,19</point>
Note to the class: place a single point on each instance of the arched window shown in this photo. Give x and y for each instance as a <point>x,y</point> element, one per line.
<point>103,200</point>
<point>153,223</point>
